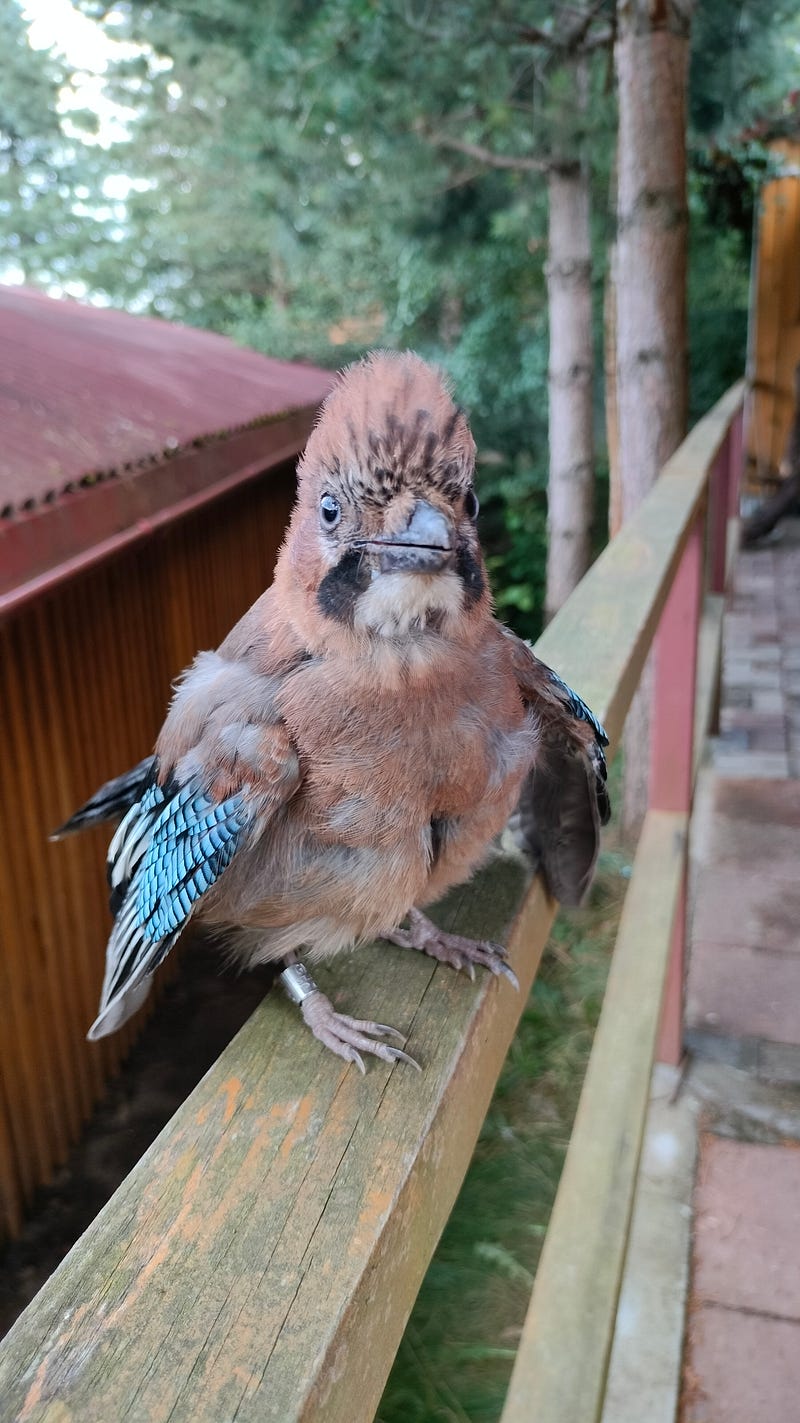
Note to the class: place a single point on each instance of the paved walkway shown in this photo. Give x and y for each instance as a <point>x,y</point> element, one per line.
<point>742,1351</point>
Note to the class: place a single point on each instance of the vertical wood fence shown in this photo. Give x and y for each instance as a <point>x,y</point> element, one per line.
<point>85,675</point>
<point>260,1262</point>
<point>774,338</point>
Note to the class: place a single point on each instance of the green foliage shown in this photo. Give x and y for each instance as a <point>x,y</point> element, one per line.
<point>296,191</point>
<point>45,177</point>
<point>744,62</point>
<point>719,277</point>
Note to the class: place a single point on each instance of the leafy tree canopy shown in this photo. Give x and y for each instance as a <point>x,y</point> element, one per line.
<point>45,177</point>
<point>313,179</point>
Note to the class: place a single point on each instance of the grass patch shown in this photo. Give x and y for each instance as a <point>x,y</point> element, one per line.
<point>455,1359</point>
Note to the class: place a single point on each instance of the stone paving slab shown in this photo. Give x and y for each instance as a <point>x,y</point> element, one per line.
<point>738,1105</point>
<point>779,1062</point>
<point>735,905</point>
<point>747,1228</point>
<point>748,822</point>
<point>744,965</point>
<point>776,1063</point>
<point>744,992</point>
<point>742,1360</point>
<point>741,1368</point>
<point>739,761</point>
<point>768,805</point>
<point>742,1357</point>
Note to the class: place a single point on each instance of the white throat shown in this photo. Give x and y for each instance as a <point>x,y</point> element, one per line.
<point>396,604</point>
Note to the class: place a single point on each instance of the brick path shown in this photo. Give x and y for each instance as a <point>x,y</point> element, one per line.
<point>742,1358</point>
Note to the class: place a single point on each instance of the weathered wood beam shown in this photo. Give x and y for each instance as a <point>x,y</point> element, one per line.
<point>561,1365</point>
<point>261,1260</point>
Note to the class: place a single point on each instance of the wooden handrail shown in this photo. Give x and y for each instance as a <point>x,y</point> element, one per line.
<point>261,1260</point>
<point>563,1355</point>
<point>561,1366</point>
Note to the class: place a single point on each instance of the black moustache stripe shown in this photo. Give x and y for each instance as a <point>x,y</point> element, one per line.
<point>340,588</point>
<point>469,570</point>
<point>347,580</point>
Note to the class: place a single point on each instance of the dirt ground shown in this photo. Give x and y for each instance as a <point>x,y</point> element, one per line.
<point>199,1013</point>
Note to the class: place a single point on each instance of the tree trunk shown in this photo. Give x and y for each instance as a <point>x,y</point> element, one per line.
<point>652,54</point>
<point>610,367</point>
<point>570,490</point>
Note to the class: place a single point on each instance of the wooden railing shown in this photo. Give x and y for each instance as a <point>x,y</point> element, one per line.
<point>261,1261</point>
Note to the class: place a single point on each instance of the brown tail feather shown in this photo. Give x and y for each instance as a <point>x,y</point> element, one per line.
<point>559,821</point>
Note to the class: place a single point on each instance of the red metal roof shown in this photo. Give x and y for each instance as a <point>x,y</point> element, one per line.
<point>87,390</point>
<point>113,425</point>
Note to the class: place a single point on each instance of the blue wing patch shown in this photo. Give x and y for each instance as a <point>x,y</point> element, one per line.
<point>192,841</point>
<point>168,851</point>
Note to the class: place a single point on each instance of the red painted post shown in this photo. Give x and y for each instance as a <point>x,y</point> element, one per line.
<point>735,462</point>
<point>672,748</point>
<point>718,506</point>
<point>675,677</point>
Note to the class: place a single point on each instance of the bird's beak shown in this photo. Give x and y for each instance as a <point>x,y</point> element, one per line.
<point>424,546</point>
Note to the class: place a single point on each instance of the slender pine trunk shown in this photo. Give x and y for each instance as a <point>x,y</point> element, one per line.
<point>570,490</point>
<point>652,54</point>
<point>610,368</point>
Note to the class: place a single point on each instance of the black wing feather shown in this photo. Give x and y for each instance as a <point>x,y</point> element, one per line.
<point>564,798</point>
<point>113,800</point>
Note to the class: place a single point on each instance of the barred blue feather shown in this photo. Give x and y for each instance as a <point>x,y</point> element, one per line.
<point>192,841</point>
<point>167,852</point>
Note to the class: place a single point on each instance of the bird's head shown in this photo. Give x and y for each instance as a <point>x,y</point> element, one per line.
<point>383,540</point>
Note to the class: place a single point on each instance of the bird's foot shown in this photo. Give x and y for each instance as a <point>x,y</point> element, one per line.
<point>452,949</point>
<point>347,1037</point>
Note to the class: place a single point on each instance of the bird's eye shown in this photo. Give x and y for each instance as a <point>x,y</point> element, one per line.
<point>471,505</point>
<point>330,511</point>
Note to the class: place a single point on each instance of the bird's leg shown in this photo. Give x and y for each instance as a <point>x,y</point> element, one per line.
<point>452,949</point>
<point>347,1037</point>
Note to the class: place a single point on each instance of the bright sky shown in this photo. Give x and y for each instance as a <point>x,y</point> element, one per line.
<point>56,24</point>
<point>88,49</point>
<point>87,46</point>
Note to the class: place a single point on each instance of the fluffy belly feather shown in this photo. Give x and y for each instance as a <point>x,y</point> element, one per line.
<point>326,896</point>
<point>371,833</point>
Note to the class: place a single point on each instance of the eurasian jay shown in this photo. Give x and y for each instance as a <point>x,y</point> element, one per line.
<point>355,744</point>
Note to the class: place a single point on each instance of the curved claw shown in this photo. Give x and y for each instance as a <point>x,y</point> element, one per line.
<point>365,1025</point>
<point>350,1037</point>
<point>384,1030</point>
<point>406,1057</point>
<point>508,972</point>
<point>452,949</point>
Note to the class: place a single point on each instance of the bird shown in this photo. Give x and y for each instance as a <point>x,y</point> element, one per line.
<point>358,741</point>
